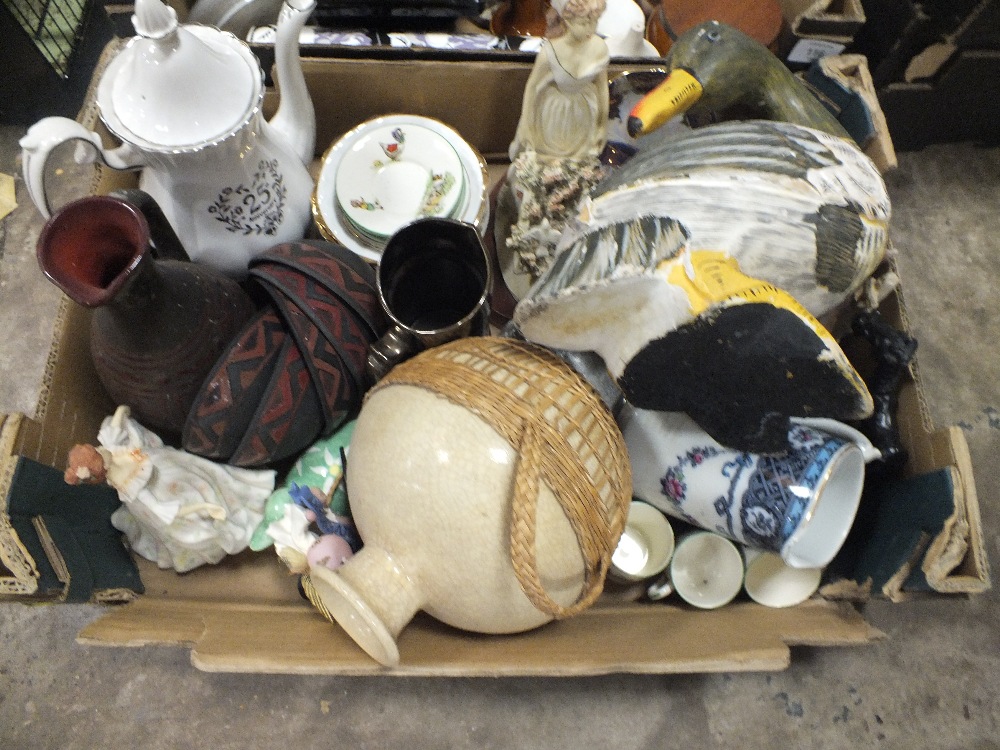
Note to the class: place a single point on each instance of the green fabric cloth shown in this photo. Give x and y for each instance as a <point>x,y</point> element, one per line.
<point>894,516</point>
<point>78,520</point>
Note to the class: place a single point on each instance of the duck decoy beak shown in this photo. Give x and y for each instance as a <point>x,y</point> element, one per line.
<point>672,97</point>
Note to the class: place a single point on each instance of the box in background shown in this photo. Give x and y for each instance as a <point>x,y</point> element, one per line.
<point>818,28</point>
<point>47,55</point>
<point>245,614</point>
<point>936,67</point>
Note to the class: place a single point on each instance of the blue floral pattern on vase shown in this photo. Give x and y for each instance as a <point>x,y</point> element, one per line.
<point>764,510</point>
<point>673,483</point>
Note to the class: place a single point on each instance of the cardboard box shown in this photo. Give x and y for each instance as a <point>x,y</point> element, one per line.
<point>811,29</point>
<point>956,101</point>
<point>935,70</point>
<point>245,614</point>
<point>818,28</point>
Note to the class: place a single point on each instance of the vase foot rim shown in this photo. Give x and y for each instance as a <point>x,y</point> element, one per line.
<point>349,610</point>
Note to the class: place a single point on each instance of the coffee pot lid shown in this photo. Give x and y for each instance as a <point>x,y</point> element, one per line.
<point>179,85</point>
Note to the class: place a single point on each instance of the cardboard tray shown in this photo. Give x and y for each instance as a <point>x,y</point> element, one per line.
<point>817,28</point>
<point>245,615</point>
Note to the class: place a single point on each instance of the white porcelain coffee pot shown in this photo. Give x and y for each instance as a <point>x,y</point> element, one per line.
<point>185,101</point>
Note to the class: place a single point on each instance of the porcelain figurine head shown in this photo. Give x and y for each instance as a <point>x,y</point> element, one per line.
<point>576,17</point>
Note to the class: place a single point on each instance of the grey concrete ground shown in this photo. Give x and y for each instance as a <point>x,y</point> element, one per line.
<point>932,684</point>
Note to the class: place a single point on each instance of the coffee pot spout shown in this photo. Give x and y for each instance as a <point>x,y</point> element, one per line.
<point>295,120</point>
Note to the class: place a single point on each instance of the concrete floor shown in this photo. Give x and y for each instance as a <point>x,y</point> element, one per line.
<point>932,684</point>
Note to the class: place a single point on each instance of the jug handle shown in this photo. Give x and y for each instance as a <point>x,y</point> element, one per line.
<point>587,524</point>
<point>49,132</point>
<point>841,430</point>
<point>165,245</point>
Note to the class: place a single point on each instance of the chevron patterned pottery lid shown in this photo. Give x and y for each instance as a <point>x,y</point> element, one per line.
<point>221,414</point>
<point>297,372</point>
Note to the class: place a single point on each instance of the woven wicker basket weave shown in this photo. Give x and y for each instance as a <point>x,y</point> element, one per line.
<point>563,434</point>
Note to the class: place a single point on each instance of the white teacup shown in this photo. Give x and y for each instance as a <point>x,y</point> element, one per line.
<point>706,570</point>
<point>646,544</point>
<point>768,580</point>
<point>800,504</point>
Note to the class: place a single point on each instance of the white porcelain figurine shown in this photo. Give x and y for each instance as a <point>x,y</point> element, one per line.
<point>562,130</point>
<point>179,510</point>
<point>565,109</point>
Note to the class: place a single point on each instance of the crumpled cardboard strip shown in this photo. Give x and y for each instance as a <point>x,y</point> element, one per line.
<point>8,199</point>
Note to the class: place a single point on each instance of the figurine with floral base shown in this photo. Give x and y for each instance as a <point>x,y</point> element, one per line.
<point>560,135</point>
<point>549,192</point>
<point>178,510</point>
<point>313,496</point>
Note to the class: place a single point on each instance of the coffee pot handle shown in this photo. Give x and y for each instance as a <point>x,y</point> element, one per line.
<point>165,245</point>
<point>48,133</point>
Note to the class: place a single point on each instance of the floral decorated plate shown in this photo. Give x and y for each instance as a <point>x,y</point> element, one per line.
<point>332,220</point>
<point>395,174</point>
<point>377,239</point>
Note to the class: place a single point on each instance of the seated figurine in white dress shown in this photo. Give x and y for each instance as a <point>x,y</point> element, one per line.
<point>561,133</point>
<point>178,510</point>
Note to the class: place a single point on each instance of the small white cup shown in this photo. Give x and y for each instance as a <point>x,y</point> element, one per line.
<point>706,570</point>
<point>645,547</point>
<point>770,581</point>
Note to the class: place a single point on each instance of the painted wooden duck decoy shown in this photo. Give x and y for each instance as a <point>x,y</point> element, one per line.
<point>717,73</point>
<point>793,217</point>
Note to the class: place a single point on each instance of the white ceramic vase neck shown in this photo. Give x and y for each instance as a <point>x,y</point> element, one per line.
<point>373,599</point>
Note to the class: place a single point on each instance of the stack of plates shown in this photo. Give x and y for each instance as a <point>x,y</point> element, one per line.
<point>392,175</point>
<point>392,170</point>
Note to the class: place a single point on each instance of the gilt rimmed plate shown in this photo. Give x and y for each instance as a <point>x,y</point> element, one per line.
<point>395,174</point>
<point>333,223</point>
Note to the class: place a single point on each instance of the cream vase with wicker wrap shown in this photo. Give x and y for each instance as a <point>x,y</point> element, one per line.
<point>490,485</point>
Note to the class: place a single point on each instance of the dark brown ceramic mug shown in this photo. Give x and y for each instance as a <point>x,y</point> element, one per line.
<point>434,282</point>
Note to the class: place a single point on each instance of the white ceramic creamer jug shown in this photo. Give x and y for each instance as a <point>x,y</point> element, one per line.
<point>186,103</point>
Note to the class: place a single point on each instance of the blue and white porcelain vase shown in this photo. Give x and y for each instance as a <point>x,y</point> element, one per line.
<point>800,503</point>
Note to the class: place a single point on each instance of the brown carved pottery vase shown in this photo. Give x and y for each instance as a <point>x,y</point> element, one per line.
<point>159,321</point>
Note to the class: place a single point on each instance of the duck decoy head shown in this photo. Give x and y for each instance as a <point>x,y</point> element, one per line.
<point>703,62</point>
<point>718,72</point>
